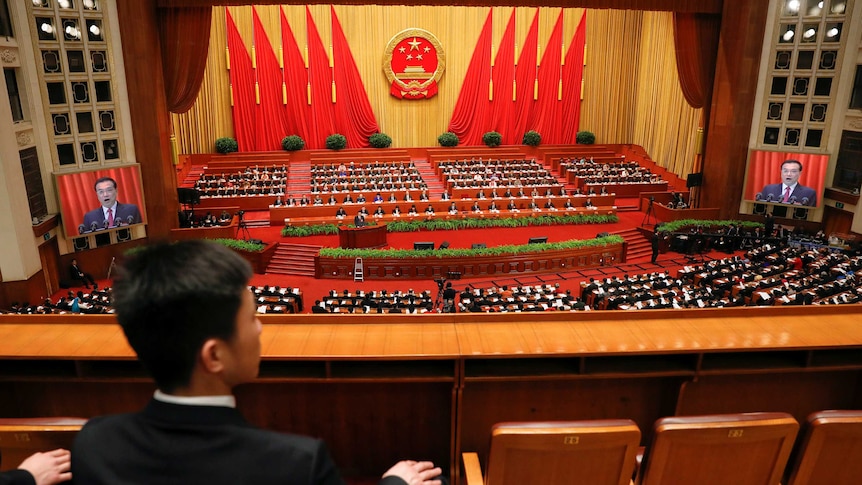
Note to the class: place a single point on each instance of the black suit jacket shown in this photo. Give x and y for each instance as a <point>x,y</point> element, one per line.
<point>124,212</point>
<point>17,477</point>
<point>177,444</point>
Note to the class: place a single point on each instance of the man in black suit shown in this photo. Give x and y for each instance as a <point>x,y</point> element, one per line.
<point>110,213</point>
<point>186,310</point>
<point>76,273</point>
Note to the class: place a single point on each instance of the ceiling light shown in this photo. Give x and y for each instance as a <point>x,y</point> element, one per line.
<point>65,3</point>
<point>793,5</point>
<point>91,4</point>
<point>47,28</point>
<point>809,33</point>
<point>788,35</point>
<point>37,3</point>
<point>819,5</point>
<point>95,30</point>
<point>832,32</point>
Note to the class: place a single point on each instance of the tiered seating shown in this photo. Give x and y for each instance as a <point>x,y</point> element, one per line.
<point>268,180</point>
<point>624,178</point>
<point>370,178</point>
<point>519,299</point>
<point>381,301</point>
<point>469,178</point>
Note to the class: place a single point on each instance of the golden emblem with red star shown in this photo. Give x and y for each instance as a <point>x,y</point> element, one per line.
<point>414,62</point>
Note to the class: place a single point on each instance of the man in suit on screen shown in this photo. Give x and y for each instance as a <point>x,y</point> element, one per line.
<point>789,191</point>
<point>187,312</point>
<point>111,213</point>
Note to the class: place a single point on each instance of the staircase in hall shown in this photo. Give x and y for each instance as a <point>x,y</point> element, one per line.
<point>192,176</point>
<point>298,179</point>
<point>638,246</point>
<point>429,176</point>
<point>293,259</point>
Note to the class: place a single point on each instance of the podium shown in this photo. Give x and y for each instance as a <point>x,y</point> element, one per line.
<point>362,237</point>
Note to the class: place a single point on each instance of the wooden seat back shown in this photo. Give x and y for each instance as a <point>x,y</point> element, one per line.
<point>21,437</point>
<point>742,449</point>
<point>561,453</point>
<point>831,451</point>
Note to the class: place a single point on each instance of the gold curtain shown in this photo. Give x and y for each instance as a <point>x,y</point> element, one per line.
<point>612,84</point>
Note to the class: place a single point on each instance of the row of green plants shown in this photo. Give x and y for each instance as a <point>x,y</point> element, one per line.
<point>235,244</point>
<point>337,141</point>
<point>683,224</point>
<point>462,223</point>
<point>507,250</point>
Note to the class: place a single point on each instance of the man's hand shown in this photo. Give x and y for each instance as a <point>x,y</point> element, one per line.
<point>49,468</point>
<point>415,472</point>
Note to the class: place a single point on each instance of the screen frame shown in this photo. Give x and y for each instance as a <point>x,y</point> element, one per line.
<point>764,168</point>
<point>76,193</point>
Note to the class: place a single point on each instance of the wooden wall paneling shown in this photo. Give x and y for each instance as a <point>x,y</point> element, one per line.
<point>733,94</point>
<point>836,220</point>
<point>49,254</point>
<point>149,113</point>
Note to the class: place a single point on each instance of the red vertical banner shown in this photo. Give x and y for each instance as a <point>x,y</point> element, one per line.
<point>242,88</point>
<point>503,76</point>
<point>547,115</point>
<point>525,77</point>
<point>297,111</point>
<point>573,75</point>
<point>271,124</point>
<point>321,92</point>
<point>472,115</point>
<point>354,117</point>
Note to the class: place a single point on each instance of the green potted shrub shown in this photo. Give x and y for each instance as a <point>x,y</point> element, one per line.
<point>336,142</point>
<point>226,144</point>
<point>292,143</point>
<point>586,137</point>
<point>448,139</point>
<point>532,138</point>
<point>492,139</point>
<point>380,140</point>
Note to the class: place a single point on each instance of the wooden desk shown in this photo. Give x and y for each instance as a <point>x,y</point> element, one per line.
<point>431,386</point>
<point>362,237</point>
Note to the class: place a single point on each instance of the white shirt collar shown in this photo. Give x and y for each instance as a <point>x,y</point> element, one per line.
<point>228,401</point>
<point>113,210</point>
<point>785,186</point>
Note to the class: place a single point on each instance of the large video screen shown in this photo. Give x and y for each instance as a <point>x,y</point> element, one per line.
<point>786,178</point>
<point>101,200</point>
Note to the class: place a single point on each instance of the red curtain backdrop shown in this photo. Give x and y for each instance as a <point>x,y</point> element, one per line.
<point>526,74</point>
<point>78,194</point>
<point>242,88</point>
<point>297,111</point>
<point>184,35</point>
<point>696,41</point>
<point>471,117</point>
<point>354,117</point>
<point>503,74</point>
<point>573,73</point>
<point>765,168</point>
<point>547,113</point>
<point>271,124</point>
<point>320,77</point>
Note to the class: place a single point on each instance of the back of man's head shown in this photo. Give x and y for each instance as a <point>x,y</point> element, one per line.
<point>171,298</point>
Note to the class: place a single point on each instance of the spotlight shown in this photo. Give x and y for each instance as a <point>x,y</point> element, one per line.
<point>809,33</point>
<point>90,4</point>
<point>95,30</point>
<point>37,3</point>
<point>47,28</point>
<point>788,35</point>
<point>72,32</point>
<point>65,4</point>
<point>832,32</point>
<point>793,5</point>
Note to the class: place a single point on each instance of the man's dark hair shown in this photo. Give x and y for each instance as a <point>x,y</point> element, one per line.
<point>797,162</point>
<point>171,298</point>
<point>104,179</point>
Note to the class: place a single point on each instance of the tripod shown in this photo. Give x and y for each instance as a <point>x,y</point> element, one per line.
<point>649,214</point>
<point>243,228</point>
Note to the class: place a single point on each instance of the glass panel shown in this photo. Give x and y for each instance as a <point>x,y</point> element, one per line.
<point>89,152</point>
<point>66,154</point>
<point>804,59</point>
<point>800,86</point>
<point>791,8</point>
<point>827,60</point>
<point>66,4</point>
<point>85,122</point>
<point>103,91</point>
<point>100,61</point>
<point>786,34</point>
<point>833,32</point>
<point>61,124</point>
<point>838,6</point>
<point>823,86</point>
<point>796,112</point>
<point>111,150</point>
<point>791,137</point>
<point>106,120</point>
<point>56,93</point>
<point>51,61</point>
<point>813,138</point>
<point>81,92</point>
<point>818,112</point>
<point>45,28</point>
<point>90,4</point>
<point>775,110</point>
<point>770,136</point>
<point>815,8</point>
<point>76,61</point>
<point>782,59</point>
<point>779,86</point>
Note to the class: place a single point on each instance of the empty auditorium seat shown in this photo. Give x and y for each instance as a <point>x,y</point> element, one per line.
<point>831,451</point>
<point>21,437</point>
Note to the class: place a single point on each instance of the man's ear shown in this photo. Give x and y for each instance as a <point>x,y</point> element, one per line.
<point>211,355</point>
